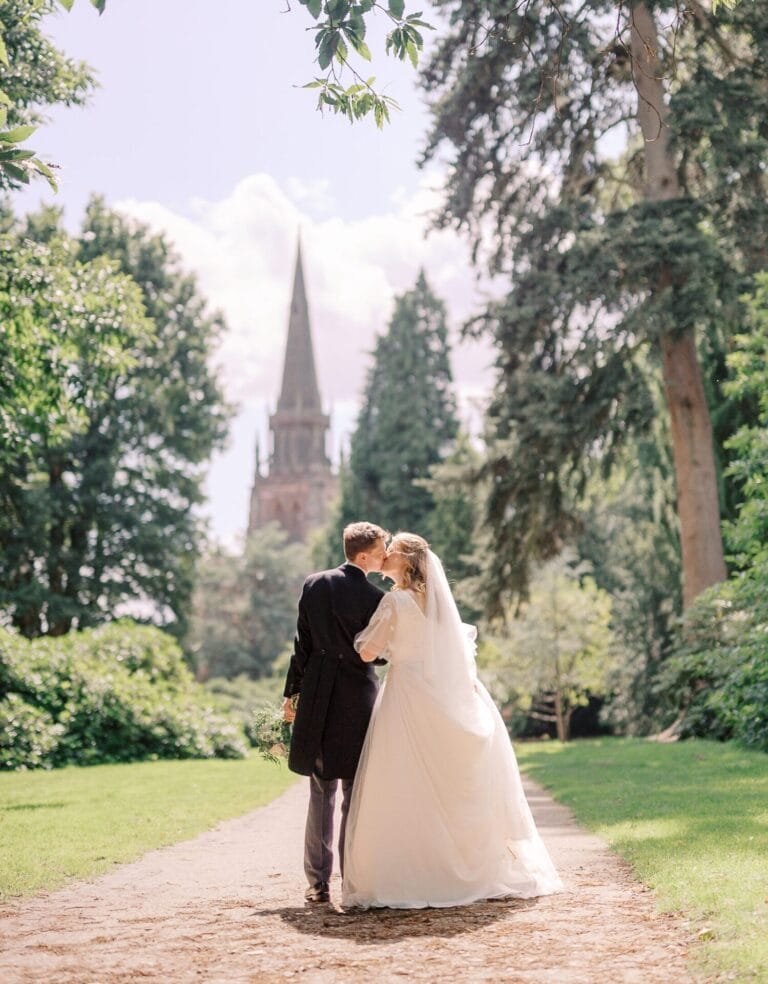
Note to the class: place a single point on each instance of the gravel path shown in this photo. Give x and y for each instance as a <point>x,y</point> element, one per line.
<point>228,907</point>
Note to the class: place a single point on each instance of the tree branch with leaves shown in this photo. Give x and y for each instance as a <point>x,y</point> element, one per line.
<point>340,25</point>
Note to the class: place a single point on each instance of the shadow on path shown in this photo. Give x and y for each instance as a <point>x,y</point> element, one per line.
<point>367,926</point>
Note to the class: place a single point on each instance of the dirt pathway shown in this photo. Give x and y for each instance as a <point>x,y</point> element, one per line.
<point>228,907</point>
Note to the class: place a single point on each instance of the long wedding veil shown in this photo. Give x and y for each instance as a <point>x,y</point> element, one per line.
<point>449,659</point>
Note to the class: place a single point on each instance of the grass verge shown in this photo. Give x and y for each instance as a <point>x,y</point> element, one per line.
<point>76,822</point>
<point>692,818</point>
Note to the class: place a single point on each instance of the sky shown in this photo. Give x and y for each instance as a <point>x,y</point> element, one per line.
<point>200,129</point>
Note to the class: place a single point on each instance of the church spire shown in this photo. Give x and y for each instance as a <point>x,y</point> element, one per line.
<point>298,486</point>
<point>299,390</point>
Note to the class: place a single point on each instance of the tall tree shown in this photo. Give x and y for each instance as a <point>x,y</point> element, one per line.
<point>717,679</point>
<point>631,542</point>
<point>600,267</point>
<point>407,421</point>
<point>80,325</point>
<point>452,528</point>
<point>99,514</point>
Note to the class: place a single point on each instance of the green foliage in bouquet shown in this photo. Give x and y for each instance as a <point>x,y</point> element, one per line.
<point>270,734</point>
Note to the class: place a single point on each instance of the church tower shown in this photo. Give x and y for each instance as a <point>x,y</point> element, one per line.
<point>299,485</point>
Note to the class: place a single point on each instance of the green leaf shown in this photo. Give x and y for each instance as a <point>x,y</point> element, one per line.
<point>3,116</point>
<point>417,39</point>
<point>18,134</point>
<point>3,51</point>
<point>396,8</point>
<point>315,7</point>
<point>395,42</point>
<point>357,23</point>
<point>46,172</point>
<point>413,53</point>
<point>328,46</point>
<point>67,4</point>
<point>364,51</point>
<point>337,9</point>
<point>99,5</point>
<point>15,172</point>
<point>4,99</point>
<point>16,155</point>
<point>365,5</point>
<point>341,50</point>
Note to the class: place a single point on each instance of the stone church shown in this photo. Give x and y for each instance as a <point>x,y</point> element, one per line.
<point>298,486</point>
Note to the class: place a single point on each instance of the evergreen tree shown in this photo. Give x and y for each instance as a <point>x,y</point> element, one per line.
<point>631,542</point>
<point>716,681</point>
<point>407,421</point>
<point>605,260</point>
<point>452,527</point>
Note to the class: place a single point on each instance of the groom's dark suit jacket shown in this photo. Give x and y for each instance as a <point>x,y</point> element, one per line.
<point>336,688</point>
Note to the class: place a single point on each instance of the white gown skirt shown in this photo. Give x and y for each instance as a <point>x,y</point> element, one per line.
<point>438,814</point>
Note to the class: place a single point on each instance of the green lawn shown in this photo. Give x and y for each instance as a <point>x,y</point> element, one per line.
<point>75,822</point>
<point>692,818</point>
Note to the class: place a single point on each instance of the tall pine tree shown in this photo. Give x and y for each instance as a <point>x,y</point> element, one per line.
<point>406,425</point>
<point>610,265</point>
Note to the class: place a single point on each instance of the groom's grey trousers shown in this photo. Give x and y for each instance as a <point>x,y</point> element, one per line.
<point>318,838</point>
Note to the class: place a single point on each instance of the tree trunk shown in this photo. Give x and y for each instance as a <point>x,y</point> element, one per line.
<point>58,624</point>
<point>691,428</point>
<point>560,717</point>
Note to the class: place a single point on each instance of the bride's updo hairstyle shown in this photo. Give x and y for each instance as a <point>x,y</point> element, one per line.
<point>414,549</point>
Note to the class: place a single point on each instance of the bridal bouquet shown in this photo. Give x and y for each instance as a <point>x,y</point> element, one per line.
<point>269,734</point>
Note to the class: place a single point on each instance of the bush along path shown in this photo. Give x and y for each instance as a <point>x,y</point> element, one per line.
<point>228,906</point>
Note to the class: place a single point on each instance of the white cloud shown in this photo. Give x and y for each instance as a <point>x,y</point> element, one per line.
<point>312,195</point>
<point>242,249</point>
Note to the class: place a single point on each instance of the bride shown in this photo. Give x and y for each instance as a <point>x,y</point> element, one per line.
<point>438,815</point>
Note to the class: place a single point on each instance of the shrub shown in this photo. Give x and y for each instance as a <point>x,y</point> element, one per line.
<point>116,694</point>
<point>719,673</point>
<point>243,698</point>
<point>28,736</point>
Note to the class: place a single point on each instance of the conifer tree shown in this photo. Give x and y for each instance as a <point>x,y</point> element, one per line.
<point>407,421</point>
<point>608,265</point>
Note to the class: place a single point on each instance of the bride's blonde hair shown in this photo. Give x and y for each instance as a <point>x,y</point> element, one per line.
<point>414,548</point>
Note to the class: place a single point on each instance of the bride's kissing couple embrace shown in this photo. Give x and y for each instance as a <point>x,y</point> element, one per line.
<point>433,810</point>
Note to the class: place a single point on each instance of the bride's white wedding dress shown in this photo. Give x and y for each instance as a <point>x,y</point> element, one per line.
<point>438,814</point>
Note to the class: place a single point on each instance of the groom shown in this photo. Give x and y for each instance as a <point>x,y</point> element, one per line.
<point>336,692</point>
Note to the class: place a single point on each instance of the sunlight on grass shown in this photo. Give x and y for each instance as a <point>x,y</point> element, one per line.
<point>690,817</point>
<point>76,822</point>
<point>645,830</point>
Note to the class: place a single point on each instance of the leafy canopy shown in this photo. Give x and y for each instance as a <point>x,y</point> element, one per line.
<point>101,467</point>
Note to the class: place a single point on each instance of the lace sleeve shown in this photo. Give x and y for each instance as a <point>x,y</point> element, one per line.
<point>374,641</point>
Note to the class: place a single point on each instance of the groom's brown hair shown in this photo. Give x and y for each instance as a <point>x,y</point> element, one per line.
<point>361,536</point>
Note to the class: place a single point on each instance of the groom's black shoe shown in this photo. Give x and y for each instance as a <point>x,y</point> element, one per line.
<point>318,893</point>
